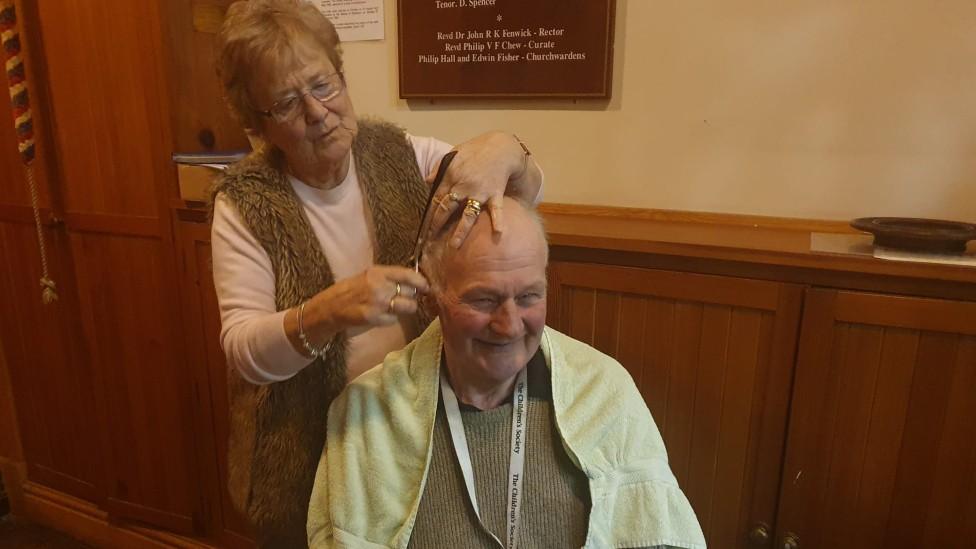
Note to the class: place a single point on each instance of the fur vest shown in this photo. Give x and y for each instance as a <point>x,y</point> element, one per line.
<point>277,431</point>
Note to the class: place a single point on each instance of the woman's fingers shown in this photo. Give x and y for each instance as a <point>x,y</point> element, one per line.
<point>401,305</point>
<point>443,207</point>
<point>495,211</point>
<point>397,294</point>
<point>480,170</point>
<point>472,209</point>
<point>411,282</point>
<point>376,296</point>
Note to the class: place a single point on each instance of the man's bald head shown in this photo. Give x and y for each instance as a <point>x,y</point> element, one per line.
<point>523,225</point>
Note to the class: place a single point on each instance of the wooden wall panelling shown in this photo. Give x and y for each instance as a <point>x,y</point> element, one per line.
<point>13,183</point>
<point>882,446</point>
<point>108,98</point>
<point>127,308</point>
<point>105,105</point>
<point>954,479</point>
<point>10,445</point>
<point>203,121</point>
<point>49,369</point>
<point>772,400</point>
<point>834,271</point>
<point>201,321</point>
<point>92,525</point>
<point>13,190</point>
<point>713,358</point>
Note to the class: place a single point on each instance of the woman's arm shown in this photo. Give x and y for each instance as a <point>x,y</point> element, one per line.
<point>263,344</point>
<point>252,332</point>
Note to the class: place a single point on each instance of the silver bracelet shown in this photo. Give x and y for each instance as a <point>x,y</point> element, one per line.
<point>314,352</point>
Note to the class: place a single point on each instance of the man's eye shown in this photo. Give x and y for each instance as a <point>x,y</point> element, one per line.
<point>528,298</point>
<point>482,302</point>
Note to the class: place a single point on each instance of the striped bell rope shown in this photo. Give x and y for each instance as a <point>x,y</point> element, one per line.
<point>20,102</point>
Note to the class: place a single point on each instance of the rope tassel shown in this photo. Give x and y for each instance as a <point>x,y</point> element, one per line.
<point>20,103</point>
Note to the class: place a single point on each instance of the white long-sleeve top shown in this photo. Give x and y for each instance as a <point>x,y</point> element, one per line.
<point>252,332</point>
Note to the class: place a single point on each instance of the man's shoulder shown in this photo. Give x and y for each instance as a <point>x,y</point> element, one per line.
<point>380,379</point>
<point>583,360</point>
<point>389,386</point>
<point>366,383</point>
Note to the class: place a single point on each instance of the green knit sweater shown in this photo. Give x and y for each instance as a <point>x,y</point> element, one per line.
<point>556,502</point>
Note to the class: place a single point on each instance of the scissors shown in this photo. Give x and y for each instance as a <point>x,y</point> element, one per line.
<point>426,218</point>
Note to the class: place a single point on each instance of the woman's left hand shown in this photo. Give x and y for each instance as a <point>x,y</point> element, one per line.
<point>485,169</point>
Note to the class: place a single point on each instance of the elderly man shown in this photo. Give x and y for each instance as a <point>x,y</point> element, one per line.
<point>493,430</point>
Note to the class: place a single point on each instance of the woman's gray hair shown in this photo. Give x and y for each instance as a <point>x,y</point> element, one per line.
<point>255,32</point>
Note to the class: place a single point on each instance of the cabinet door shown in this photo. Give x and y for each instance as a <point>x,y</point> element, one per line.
<point>202,122</point>
<point>713,357</point>
<point>882,439</point>
<point>51,376</point>
<point>201,321</point>
<point>105,90</point>
<point>51,385</point>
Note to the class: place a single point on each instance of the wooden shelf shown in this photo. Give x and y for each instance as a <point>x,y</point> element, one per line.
<point>749,239</point>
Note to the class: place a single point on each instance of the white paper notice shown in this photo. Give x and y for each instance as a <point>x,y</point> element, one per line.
<point>355,19</point>
<point>966,260</point>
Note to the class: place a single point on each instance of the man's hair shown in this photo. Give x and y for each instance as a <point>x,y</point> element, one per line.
<point>436,248</point>
<point>268,31</point>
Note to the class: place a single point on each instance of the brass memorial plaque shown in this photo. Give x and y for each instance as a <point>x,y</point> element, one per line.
<point>505,48</point>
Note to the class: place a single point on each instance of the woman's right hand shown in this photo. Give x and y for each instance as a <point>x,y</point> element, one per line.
<point>367,299</point>
<point>371,298</point>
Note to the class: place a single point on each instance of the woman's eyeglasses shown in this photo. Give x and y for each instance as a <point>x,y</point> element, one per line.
<point>324,90</point>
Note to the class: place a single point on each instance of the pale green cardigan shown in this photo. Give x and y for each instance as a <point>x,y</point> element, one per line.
<point>380,431</point>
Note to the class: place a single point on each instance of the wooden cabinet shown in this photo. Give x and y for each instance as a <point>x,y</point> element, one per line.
<point>829,417</point>
<point>201,321</point>
<point>882,438</point>
<point>713,357</point>
<point>114,177</point>
<point>101,381</point>
<point>871,443</point>
<point>50,370</point>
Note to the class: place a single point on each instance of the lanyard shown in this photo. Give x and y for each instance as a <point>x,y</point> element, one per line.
<point>520,416</point>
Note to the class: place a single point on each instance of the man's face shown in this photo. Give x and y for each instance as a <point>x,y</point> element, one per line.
<point>493,302</point>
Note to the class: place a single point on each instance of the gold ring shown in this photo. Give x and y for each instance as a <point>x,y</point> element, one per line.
<point>397,290</point>
<point>473,207</point>
<point>442,203</point>
<point>392,301</point>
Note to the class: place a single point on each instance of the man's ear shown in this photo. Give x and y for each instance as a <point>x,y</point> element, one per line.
<point>428,304</point>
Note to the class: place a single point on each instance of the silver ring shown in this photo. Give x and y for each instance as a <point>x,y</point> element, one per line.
<point>453,196</point>
<point>392,302</point>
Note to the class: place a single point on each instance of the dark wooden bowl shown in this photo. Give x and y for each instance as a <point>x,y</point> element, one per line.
<point>922,235</point>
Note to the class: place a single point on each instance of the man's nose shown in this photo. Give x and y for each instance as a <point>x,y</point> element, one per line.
<point>506,321</point>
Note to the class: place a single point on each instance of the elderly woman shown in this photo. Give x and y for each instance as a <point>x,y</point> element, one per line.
<point>310,234</point>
